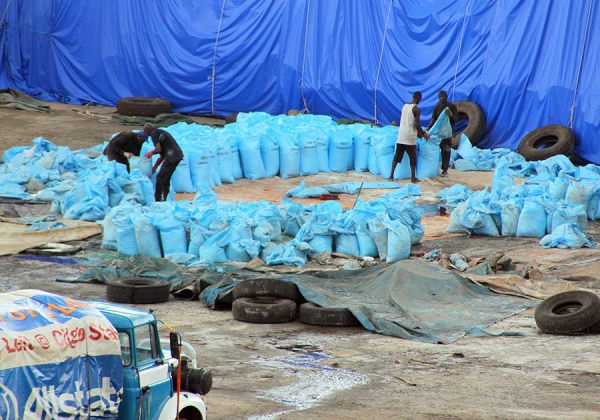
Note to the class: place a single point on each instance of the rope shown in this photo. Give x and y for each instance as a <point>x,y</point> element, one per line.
<point>462,35</point>
<point>587,24</point>
<point>212,93</point>
<point>305,110</point>
<point>387,21</point>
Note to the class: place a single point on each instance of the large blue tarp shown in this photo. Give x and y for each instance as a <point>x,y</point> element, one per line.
<point>526,63</point>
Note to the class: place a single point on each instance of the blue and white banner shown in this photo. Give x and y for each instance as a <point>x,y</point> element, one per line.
<point>59,358</point>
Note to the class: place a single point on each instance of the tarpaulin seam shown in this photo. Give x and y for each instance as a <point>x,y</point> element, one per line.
<point>387,21</point>
<point>305,110</point>
<point>212,93</point>
<point>462,35</point>
<point>5,11</point>
<point>587,24</point>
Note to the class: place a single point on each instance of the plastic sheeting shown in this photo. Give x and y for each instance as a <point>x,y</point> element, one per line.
<point>527,64</point>
<point>409,299</point>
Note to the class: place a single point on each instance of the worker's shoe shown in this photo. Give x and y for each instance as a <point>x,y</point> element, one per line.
<point>415,180</point>
<point>444,174</point>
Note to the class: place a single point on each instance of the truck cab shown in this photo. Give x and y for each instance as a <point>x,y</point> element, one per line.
<point>152,376</point>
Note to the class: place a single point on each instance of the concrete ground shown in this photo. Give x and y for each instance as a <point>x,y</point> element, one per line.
<point>296,371</point>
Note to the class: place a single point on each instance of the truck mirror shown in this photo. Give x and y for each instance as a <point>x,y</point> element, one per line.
<point>174,341</point>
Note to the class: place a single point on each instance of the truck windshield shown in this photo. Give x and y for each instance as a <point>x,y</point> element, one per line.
<point>145,343</point>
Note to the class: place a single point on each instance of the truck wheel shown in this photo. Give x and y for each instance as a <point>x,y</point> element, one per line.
<point>471,111</point>
<point>263,310</point>
<point>141,106</point>
<point>547,141</point>
<point>310,313</point>
<point>568,312</point>
<point>137,290</point>
<point>267,287</point>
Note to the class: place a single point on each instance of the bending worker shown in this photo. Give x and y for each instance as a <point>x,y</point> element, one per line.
<point>170,156</point>
<point>124,145</point>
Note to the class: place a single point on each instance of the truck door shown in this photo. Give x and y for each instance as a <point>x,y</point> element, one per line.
<point>154,374</point>
<point>147,380</point>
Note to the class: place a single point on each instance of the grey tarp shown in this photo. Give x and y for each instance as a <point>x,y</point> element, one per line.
<point>409,299</point>
<point>10,98</point>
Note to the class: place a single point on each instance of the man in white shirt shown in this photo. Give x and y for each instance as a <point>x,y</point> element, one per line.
<point>410,128</point>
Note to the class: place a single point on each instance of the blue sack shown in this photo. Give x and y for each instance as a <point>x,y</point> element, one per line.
<point>269,151</point>
<point>252,162</point>
<point>146,235</point>
<point>309,155</point>
<point>532,220</point>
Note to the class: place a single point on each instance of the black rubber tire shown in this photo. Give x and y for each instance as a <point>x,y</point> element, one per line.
<point>557,139</point>
<point>264,310</point>
<point>568,312</point>
<point>310,313</point>
<point>471,111</point>
<point>231,118</point>
<point>141,106</point>
<point>267,287</point>
<point>137,290</point>
<point>198,380</point>
<point>206,283</point>
<point>594,329</point>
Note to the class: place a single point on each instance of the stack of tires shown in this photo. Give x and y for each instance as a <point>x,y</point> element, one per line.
<point>574,312</point>
<point>270,301</point>
<point>265,301</point>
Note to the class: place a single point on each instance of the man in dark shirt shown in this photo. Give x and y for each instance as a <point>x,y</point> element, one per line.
<point>170,152</point>
<point>124,145</point>
<point>445,144</point>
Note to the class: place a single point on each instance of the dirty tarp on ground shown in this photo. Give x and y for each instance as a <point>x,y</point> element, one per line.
<point>16,237</point>
<point>141,266</point>
<point>408,299</point>
<point>10,98</point>
<point>411,299</point>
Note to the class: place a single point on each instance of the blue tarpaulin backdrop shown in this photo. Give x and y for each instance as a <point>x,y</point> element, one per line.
<point>526,63</point>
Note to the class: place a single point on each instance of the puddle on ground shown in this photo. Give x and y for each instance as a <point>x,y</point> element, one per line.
<point>312,381</point>
<point>58,260</point>
<point>433,210</point>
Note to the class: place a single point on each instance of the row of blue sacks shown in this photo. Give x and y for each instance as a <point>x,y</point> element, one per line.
<point>206,231</point>
<point>558,193</point>
<point>83,185</point>
<point>260,146</point>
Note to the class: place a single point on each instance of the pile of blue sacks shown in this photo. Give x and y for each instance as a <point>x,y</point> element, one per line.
<point>554,203</point>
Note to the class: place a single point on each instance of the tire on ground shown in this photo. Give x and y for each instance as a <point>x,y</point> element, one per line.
<point>568,312</point>
<point>204,283</point>
<point>267,287</point>
<point>137,290</point>
<point>231,118</point>
<point>594,329</point>
<point>309,313</point>
<point>141,106</point>
<point>263,310</point>
<point>547,141</point>
<point>474,129</point>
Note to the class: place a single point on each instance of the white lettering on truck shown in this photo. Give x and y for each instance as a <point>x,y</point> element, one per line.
<point>44,404</point>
